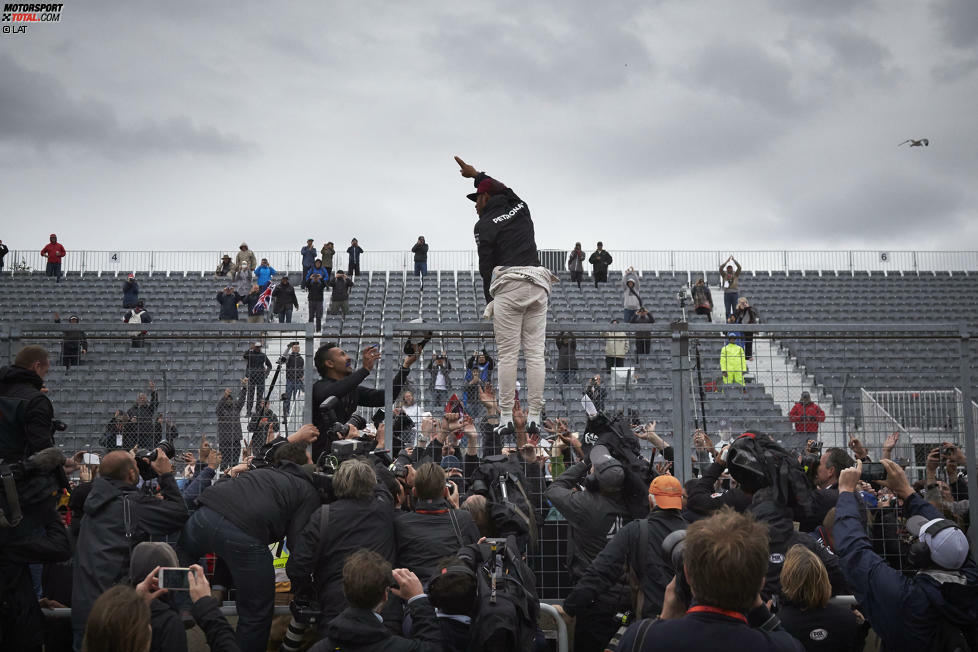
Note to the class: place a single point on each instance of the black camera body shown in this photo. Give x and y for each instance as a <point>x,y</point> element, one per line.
<point>411,349</point>
<point>673,548</point>
<point>342,430</point>
<point>305,612</point>
<point>58,425</point>
<point>145,459</point>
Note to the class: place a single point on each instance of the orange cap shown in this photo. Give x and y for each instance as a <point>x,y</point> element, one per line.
<point>667,491</point>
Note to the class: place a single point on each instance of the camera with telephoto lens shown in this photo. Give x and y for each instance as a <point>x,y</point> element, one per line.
<point>673,547</point>
<point>342,430</point>
<point>305,614</point>
<point>410,348</point>
<point>683,296</point>
<point>145,459</point>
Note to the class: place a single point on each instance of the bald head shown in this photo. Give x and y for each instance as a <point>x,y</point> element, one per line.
<point>119,465</point>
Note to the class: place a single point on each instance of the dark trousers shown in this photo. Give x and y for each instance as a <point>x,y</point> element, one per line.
<point>53,269</point>
<point>642,345</point>
<point>611,361</point>
<point>305,270</point>
<point>229,444</point>
<point>730,303</point>
<point>285,316</point>
<point>748,345</point>
<point>250,563</point>
<point>593,628</point>
<point>628,313</point>
<point>577,277</point>
<point>705,311</point>
<point>316,314</point>
<point>256,387</point>
<point>354,268</point>
<point>292,388</point>
<point>600,276</point>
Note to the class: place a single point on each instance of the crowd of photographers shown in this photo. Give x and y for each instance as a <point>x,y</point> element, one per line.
<point>428,537</point>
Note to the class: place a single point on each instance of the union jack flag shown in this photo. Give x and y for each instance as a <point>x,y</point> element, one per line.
<point>264,299</point>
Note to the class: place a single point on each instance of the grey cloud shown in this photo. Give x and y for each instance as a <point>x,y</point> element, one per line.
<point>37,111</point>
<point>959,20</point>
<point>856,52</point>
<point>953,70</point>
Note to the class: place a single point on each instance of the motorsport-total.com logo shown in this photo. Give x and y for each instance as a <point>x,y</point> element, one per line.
<point>17,16</point>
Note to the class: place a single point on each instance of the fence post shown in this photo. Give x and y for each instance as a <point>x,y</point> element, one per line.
<point>387,369</point>
<point>967,414</point>
<point>680,400</point>
<point>309,372</point>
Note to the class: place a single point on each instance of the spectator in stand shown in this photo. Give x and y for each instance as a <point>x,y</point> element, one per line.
<point>315,286</point>
<point>264,274</point>
<point>257,367</point>
<point>228,300</point>
<point>74,344</point>
<point>729,279</point>
<point>436,528</point>
<point>806,613</point>
<point>295,373</point>
<point>732,362</point>
<point>745,314</point>
<point>141,418</point>
<point>806,415</point>
<point>615,348</point>
<point>285,300</point>
<point>225,267</point>
<point>478,372</point>
<point>339,300</point>
<point>317,268</point>
<point>703,300</point>
<point>600,260</point>
<point>4,250</point>
<point>328,251</point>
<point>367,583</point>
<point>54,252</point>
<point>242,280</point>
<point>364,514</point>
<point>263,425</point>
<point>643,341</point>
<point>575,264</point>
<point>245,257</point>
<point>411,407</point>
<point>420,251</point>
<point>240,518</point>
<point>632,300</point>
<point>923,611</point>
<point>353,252</point>
<point>229,422</point>
<point>589,496</point>
<point>117,431</point>
<point>308,258</point>
<point>119,515</point>
<point>130,291</point>
<point>164,430</point>
<point>256,309</point>
<point>138,315</point>
<point>726,557</point>
<point>440,382</point>
<point>566,358</point>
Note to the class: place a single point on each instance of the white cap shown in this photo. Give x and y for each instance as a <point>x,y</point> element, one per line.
<point>948,546</point>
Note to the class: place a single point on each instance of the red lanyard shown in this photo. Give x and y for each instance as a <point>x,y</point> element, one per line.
<point>736,615</point>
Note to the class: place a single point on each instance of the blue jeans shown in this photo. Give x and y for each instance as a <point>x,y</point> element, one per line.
<point>420,269</point>
<point>628,314</point>
<point>285,316</point>
<point>250,562</point>
<point>729,303</point>
<point>53,269</point>
<point>292,388</point>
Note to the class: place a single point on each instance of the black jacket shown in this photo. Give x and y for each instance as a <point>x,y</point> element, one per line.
<point>102,553</point>
<point>256,360</point>
<point>315,565</point>
<point>420,251</point>
<point>566,351</point>
<point>168,632</point>
<point>315,289</point>
<point>446,370</point>
<point>3,251</point>
<point>833,628</point>
<point>701,499</point>
<point>229,305</point>
<point>220,636</point>
<point>359,629</point>
<point>600,260</point>
<point>284,296</point>
<point>822,501</point>
<point>72,344</point>
<point>427,534</point>
<point>255,426</point>
<point>229,417</point>
<point>594,519</point>
<point>142,428</point>
<point>606,569</point>
<point>294,367</point>
<point>130,294</point>
<point>712,632</point>
<point>341,287</point>
<point>23,386</point>
<point>267,503</point>
<point>350,395</point>
<point>504,234</point>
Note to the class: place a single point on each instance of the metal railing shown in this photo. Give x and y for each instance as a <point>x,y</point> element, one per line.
<point>758,261</point>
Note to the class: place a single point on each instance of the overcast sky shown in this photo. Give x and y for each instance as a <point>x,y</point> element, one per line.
<point>678,124</point>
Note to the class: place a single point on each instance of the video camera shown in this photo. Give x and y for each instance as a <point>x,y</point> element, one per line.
<point>145,459</point>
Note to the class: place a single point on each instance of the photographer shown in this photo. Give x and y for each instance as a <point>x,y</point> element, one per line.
<point>294,376</point>
<point>440,383</point>
<point>595,515</point>
<point>830,465</point>
<point>257,367</point>
<point>362,516</point>
<point>436,528</point>
<point>940,601</point>
<point>340,380</point>
<point>339,299</point>
<point>21,384</point>
<point>239,519</point>
<point>725,558</point>
<point>118,515</point>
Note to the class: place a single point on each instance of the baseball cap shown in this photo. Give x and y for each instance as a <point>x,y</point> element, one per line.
<point>608,470</point>
<point>131,275</point>
<point>667,491</point>
<point>451,462</point>
<point>489,186</point>
<point>947,543</point>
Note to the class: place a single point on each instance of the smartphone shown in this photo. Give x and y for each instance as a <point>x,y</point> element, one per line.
<point>378,417</point>
<point>90,458</point>
<point>174,579</point>
<point>873,472</point>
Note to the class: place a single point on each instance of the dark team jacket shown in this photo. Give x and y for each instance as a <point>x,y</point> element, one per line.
<point>504,234</point>
<point>23,385</point>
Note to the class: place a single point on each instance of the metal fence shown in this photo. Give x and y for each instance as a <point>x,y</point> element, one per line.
<point>198,262</point>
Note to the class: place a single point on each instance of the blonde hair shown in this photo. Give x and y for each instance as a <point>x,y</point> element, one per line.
<point>804,579</point>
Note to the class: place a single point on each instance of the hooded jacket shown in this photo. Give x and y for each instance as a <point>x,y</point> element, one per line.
<point>361,630</point>
<point>420,251</point>
<point>806,417</point>
<point>229,416</point>
<point>263,274</point>
<point>905,611</point>
<point>575,261</point>
<point>229,305</point>
<point>328,251</point>
<point>632,299</point>
<point>246,257</point>
<point>24,387</point>
<point>600,259</point>
<point>102,555</point>
<point>733,363</point>
<point>130,293</point>
<point>284,296</point>
<point>504,235</point>
<point>314,269</point>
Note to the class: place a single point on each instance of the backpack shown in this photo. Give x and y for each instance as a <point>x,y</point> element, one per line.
<point>950,636</point>
<point>507,606</point>
<point>503,484</point>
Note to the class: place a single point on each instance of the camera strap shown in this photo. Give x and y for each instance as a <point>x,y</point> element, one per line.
<point>458,531</point>
<point>13,498</point>
<point>323,524</point>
